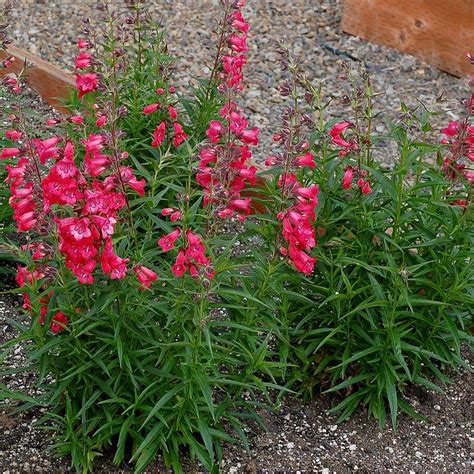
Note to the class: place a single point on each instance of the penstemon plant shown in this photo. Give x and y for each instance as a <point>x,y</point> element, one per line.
<point>169,298</point>
<point>392,289</point>
<point>129,273</point>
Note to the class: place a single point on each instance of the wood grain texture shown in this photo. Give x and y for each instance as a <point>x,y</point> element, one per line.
<point>50,82</point>
<point>438,31</point>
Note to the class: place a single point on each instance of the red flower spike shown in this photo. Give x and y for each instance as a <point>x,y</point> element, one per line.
<point>305,160</point>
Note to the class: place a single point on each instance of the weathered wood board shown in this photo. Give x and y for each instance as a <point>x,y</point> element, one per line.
<point>440,32</point>
<point>50,82</point>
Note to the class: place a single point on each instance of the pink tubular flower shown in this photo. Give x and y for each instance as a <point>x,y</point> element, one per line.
<point>301,260</point>
<point>233,67</point>
<point>339,128</point>
<point>172,112</point>
<point>159,135</point>
<point>214,131</point>
<point>149,109</point>
<point>451,130</point>
<point>80,228</point>
<point>192,258</point>
<point>127,177</point>
<point>196,248</point>
<point>77,119</point>
<point>26,221</point>
<point>145,276</point>
<point>25,196</point>
<point>37,250</point>
<point>9,153</point>
<point>111,263</point>
<point>306,160</point>
<point>46,149</point>
<point>95,162</point>
<point>167,241</point>
<point>83,44</point>
<point>310,192</point>
<point>179,134</point>
<point>167,211</point>
<point>366,189</point>
<point>101,120</point>
<point>86,83</point>
<point>348,177</point>
<point>239,23</point>
<point>106,225</point>
<point>250,137</point>
<point>238,43</point>
<point>241,205</point>
<point>13,135</point>
<point>208,156</point>
<point>59,322</point>
<point>175,214</point>
<point>179,267</point>
<point>62,184</point>
<point>83,60</point>
<point>337,139</point>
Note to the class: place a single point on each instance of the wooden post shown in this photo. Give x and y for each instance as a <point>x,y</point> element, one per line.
<point>438,31</point>
<point>50,82</point>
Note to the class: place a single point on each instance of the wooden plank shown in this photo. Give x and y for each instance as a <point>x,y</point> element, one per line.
<point>438,31</point>
<point>50,82</point>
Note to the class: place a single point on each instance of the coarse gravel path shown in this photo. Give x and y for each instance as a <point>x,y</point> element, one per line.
<point>311,28</point>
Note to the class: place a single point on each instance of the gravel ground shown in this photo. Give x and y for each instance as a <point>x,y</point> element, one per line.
<point>300,438</point>
<point>311,28</point>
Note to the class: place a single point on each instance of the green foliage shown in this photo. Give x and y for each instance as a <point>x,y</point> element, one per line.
<point>392,294</point>
<point>148,376</point>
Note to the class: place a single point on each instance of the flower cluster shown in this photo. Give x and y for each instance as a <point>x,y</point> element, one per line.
<point>351,174</point>
<point>80,204</point>
<point>191,255</point>
<point>337,138</point>
<point>178,135</point>
<point>86,82</point>
<point>224,169</point>
<point>26,278</point>
<point>460,138</point>
<point>85,237</point>
<point>298,203</point>
<point>297,221</point>
<point>25,182</point>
